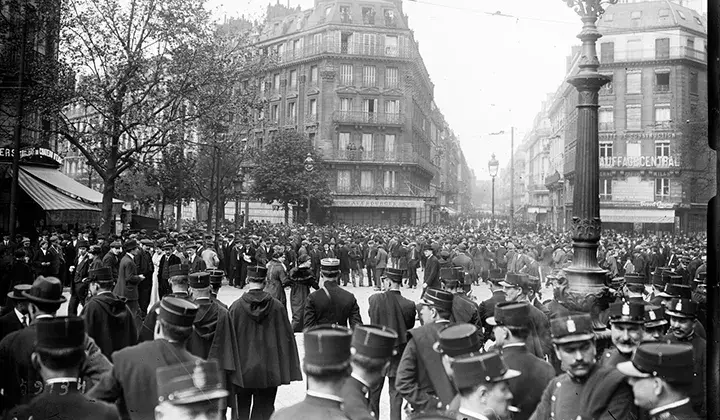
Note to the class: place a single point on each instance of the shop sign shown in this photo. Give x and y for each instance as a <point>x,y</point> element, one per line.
<point>640,162</point>
<point>7,153</point>
<point>401,204</point>
<point>641,204</point>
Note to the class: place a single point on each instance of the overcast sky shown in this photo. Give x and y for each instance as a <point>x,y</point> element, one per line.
<point>490,72</point>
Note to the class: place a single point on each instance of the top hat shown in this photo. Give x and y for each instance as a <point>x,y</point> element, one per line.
<point>477,368</point>
<point>199,280</point>
<point>669,361</point>
<point>101,275</point>
<point>438,299</point>
<point>572,328</point>
<point>627,313</point>
<point>510,314</point>
<point>130,245</point>
<point>394,274</point>
<point>62,332</point>
<point>256,273</point>
<point>45,290</point>
<point>457,340</point>
<point>515,280</point>
<point>374,341</point>
<point>178,312</point>
<point>327,346</point>
<point>190,382</point>
<point>672,290</point>
<point>682,308</point>
<point>654,316</point>
<point>178,270</point>
<point>17,292</point>
<point>82,244</point>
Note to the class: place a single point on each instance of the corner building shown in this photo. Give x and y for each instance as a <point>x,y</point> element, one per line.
<point>350,76</point>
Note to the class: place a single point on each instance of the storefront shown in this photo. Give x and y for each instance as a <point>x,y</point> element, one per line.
<point>380,212</point>
<point>639,216</point>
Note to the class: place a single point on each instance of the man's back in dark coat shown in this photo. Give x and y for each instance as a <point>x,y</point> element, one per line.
<point>9,323</point>
<point>128,279</point>
<point>112,261</point>
<point>527,388</point>
<point>331,305</point>
<point>109,322</point>
<point>431,277</point>
<point>486,309</point>
<point>64,401</point>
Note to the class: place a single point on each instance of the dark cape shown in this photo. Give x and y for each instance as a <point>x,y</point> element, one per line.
<point>268,356</point>
<point>431,361</point>
<point>110,323</point>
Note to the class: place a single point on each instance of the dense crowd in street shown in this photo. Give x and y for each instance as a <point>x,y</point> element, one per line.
<point>146,337</point>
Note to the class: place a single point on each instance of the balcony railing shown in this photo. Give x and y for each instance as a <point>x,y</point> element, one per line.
<point>396,191</point>
<point>380,156</point>
<point>311,119</point>
<point>354,47</point>
<point>648,54</point>
<point>361,117</point>
<point>606,126</point>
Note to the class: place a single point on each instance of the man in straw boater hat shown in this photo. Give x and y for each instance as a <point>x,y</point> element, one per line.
<point>327,367</point>
<point>44,300</point>
<point>191,391</point>
<point>510,325</point>
<point>661,385</point>
<point>371,349</point>
<point>132,381</point>
<point>108,319</point>
<point>683,314</point>
<point>394,311</point>
<point>18,317</point>
<point>58,354</point>
<point>586,390</point>
<point>331,304</point>
<point>421,380</point>
<point>261,323</point>
<point>627,330</point>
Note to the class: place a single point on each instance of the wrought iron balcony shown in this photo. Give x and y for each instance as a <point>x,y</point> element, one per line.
<point>396,155</point>
<point>378,48</point>
<point>371,118</point>
<point>648,54</point>
<point>357,190</point>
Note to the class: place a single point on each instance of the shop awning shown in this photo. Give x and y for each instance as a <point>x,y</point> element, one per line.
<point>64,183</point>
<point>451,211</point>
<point>637,215</point>
<point>49,199</point>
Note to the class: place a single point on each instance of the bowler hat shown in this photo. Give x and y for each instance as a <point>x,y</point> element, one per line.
<point>438,299</point>
<point>199,280</point>
<point>178,312</point>
<point>457,340</point>
<point>17,292</point>
<point>572,328</point>
<point>474,369</point>
<point>669,361</point>
<point>130,245</point>
<point>190,382</point>
<point>45,290</point>
<point>375,341</point>
<point>682,308</point>
<point>510,314</point>
<point>627,313</point>
<point>60,333</point>
<point>327,346</point>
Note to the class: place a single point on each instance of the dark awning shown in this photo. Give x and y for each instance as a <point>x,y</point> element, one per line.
<point>61,182</point>
<point>48,198</point>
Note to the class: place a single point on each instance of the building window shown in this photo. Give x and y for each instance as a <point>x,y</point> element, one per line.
<point>369,44</point>
<point>662,148</point>
<point>607,52</point>
<point>343,181</point>
<point>606,150</point>
<point>607,88</point>
<point>662,188</point>
<point>346,43</point>
<point>391,45</point>
<point>662,116</point>
<point>346,74</point>
<point>389,180</point>
<point>634,49</point>
<point>346,106</point>
<point>391,77</point>
<point>698,21</point>
<point>259,143</point>
<point>392,107</point>
<point>368,15</point>
<point>369,76</point>
<point>606,119</point>
<point>633,117</point>
<point>292,113</point>
<point>694,82</point>
<point>367,142</point>
<point>662,48</point>
<point>313,108</point>
<point>389,143</point>
<point>636,14</point>
<point>274,113</point>
<point>297,46</point>
<point>370,108</point>
<point>634,81</point>
<point>662,81</point>
<point>389,16</point>
<point>345,15</point>
<point>276,81</point>
<point>605,189</point>
<point>366,180</point>
<point>343,141</point>
<point>313,74</point>
<point>293,79</point>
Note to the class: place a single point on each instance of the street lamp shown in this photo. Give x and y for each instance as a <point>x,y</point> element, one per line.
<point>586,291</point>
<point>309,167</point>
<point>238,195</point>
<point>493,166</point>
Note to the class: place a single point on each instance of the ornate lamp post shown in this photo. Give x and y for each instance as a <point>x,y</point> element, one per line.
<point>586,290</point>
<point>493,166</point>
<point>309,167</point>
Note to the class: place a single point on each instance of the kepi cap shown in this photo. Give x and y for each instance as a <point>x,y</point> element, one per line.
<point>374,341</point>
<point>190,382</point>
<point>457,340</point>
<point>178,312</point>
<point>488,367</point>
<point>62,332</point>
<point>438,299</point>
<point>669,361</point>
<point>654,316</point>
<point>327,346</point>
<point>179,270</point>
<point>682,308</point>
<point>510,314</point>
<point>627,313</point>
<point>199,280</point>
<point>571,329</point>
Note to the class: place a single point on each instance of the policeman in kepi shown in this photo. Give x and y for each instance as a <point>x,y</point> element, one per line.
<point>190,391</point>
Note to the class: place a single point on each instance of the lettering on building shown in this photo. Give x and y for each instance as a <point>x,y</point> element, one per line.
<point>640,162</point>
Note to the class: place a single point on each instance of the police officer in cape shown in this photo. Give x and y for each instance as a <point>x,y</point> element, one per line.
<point>511,330</point>
<point>327,367</point>
<point>627,331</point>
<point>421,380</point>
<point>454,341</point>
<point>586,390</point>
<point>191,391</point>
<point>59,352</point>
<point>331,304</point>
<point>132,381</point>
<point>371,349</point>
<point>179,283</point>
<point>390,309</point>
<point>658,374</point>
<point>300,280</point>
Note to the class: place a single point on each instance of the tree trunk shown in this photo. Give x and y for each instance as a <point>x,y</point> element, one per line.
<point>287,213</point>
<point>107,207</point>
<point>178,207</point>
<point>210,215</point>
<point>162,212</point>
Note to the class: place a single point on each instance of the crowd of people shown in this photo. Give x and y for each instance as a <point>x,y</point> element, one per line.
<point>146,337</point>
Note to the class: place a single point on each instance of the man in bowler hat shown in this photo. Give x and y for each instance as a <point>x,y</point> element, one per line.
<point>18,317</point>
<point>371,349</point>
<point>331,304</point>
<point>79,274</point>
<point>190,391</point>
<point>58,354</point>
<point>327,366</point>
